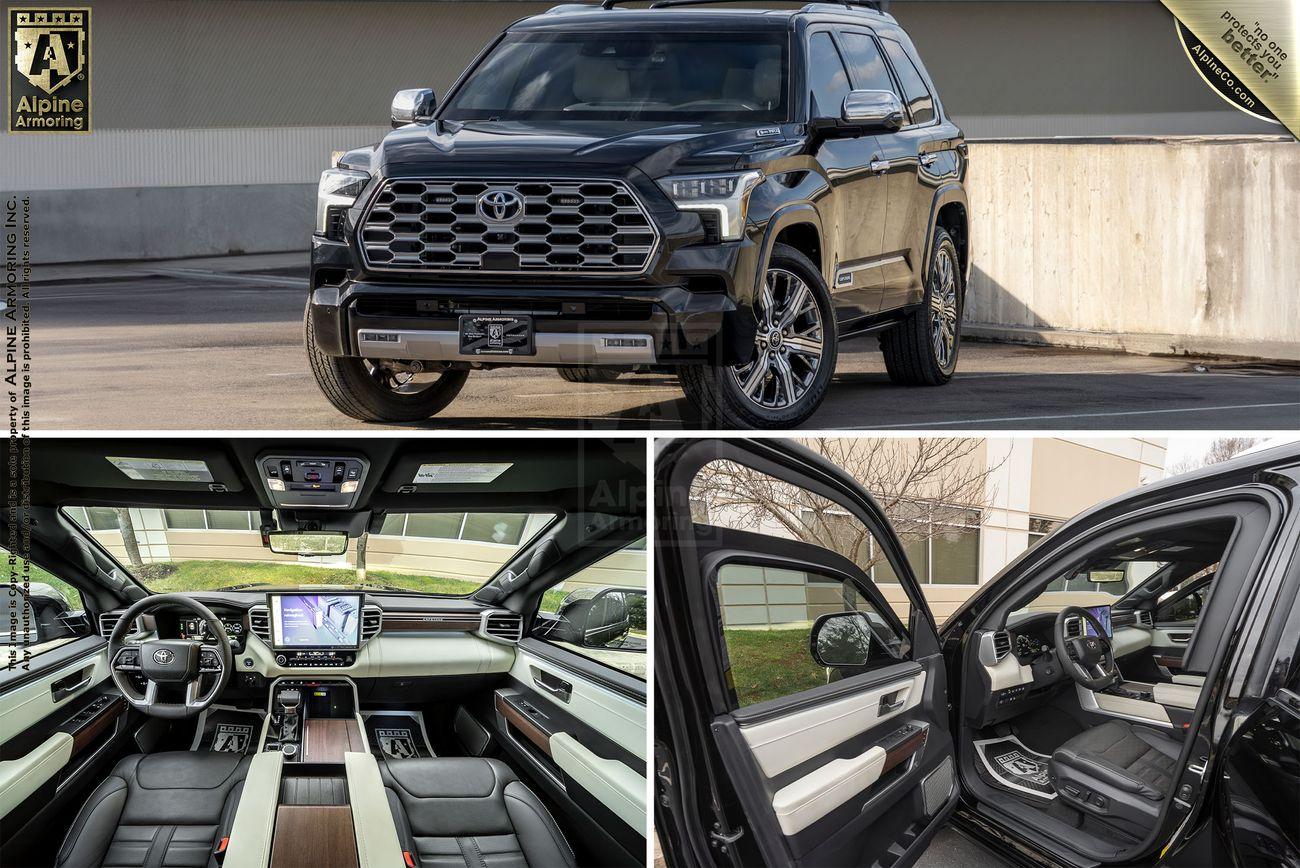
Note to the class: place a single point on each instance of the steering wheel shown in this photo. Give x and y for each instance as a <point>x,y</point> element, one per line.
<point>1089,660</point>
<point>170,662</point>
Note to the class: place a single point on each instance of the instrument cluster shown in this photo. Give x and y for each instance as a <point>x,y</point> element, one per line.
<point>197,628</point>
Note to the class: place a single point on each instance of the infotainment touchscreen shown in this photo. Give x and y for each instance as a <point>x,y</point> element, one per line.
<point>316,620</point>
<point>1102,614</point>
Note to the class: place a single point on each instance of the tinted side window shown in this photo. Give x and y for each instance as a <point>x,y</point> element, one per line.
<point>768,620</point>
<point>827,79</point>
<point>915,94</point>
<point>40,616</point>
<point>865,62</point>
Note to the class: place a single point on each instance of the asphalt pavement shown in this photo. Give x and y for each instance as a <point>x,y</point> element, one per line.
<point>199,345</point>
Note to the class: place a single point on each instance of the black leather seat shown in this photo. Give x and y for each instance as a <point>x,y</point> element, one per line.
<point>1118,772</point>
<point>470,813</point>
<point>167,809</point>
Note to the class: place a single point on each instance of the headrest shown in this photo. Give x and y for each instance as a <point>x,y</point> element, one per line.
<point>598,79</point>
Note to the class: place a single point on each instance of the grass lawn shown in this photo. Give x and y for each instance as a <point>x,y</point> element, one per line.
<point>766,664</point>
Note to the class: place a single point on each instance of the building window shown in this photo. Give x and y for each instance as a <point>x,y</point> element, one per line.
<point>94,517</point>
<point>209,519</point>
<point>1040,527</point>
<point>499,528</point>
<point>942,543</point>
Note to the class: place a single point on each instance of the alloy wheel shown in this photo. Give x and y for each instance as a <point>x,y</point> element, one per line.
<point>943,310</point>
<point>787,346</point>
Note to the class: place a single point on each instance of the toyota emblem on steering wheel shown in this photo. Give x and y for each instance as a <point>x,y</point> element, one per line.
<point>162,656</point>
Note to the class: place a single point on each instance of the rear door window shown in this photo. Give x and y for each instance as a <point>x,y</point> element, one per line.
<point>915,94</point>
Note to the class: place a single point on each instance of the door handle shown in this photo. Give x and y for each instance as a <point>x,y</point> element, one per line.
<point>928,160</point>
<point>561,690</point>
<point>879,166</point>
<point>68,685</point>
<point>890,703</point>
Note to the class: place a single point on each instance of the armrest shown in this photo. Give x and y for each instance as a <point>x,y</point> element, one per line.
<point>254,826</point>
<point>1177,695</point>
<point>372,820</point>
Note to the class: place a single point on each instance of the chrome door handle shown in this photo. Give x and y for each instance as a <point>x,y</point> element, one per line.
<point>879,166</point>
<point>928,160</point>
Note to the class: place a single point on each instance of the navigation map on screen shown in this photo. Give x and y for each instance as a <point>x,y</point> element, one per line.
<point>316,620</point>
<point>1102,614</point>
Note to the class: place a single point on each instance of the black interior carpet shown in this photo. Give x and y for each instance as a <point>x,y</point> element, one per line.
<point>229,730</point>
<point>1045,729</point>
<point>397,735</point>
<point>1016,766</point>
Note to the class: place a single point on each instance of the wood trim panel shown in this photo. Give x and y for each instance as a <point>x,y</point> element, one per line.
<point>85,737</point>
<point>902,752</point>
<point>325,740</point>
<point>422,622</point>
<point>520,721</point>
<point>1169,662</point>
<point>315,836</point>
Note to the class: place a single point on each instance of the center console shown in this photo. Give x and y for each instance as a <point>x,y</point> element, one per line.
<point>313,721</point>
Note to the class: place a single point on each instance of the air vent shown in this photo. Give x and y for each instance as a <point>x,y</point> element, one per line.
<point>372,620</point>
<point>1144,619</point>
<point>259,623</point>
<point>108,622</point>
<point>1073,627</point>
<point>1001,644</point>
<point>502,627</point>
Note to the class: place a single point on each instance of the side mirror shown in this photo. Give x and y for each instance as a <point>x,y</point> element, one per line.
<point>22,619</point>
<point>600,619</point>
<point>840,640</point>
<point>872,111</point>
<point>413,106</point>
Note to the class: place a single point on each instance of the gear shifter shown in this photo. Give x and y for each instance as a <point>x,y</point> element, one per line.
<point>288,700</point>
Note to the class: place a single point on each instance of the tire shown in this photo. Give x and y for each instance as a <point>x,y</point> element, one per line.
<point>912,354</point>
<point>588,374</point>
<point>355,388</point>
<point>720,392</point>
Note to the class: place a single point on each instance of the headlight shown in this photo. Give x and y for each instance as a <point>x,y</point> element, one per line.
<point>337,187</point>
<point>725,195</point>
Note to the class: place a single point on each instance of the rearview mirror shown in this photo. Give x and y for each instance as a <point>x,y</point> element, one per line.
<point>872,110</point>
<point>413,106</point>
<point>312,544</point>
<point>1106,577</point>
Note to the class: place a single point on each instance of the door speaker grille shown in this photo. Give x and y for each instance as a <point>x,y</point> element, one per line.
<point>936,787</point>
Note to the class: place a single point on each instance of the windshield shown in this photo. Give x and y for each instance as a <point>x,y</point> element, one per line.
<point>446,553</point>
<point>628,76</point>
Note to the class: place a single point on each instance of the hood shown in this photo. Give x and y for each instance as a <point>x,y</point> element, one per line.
<point>655,149</point>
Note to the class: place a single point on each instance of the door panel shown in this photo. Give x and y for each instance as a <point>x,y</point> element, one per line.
<point>858,197</point>
<point>583,739</point>
<point>841,764</point>
<point>21,777</point>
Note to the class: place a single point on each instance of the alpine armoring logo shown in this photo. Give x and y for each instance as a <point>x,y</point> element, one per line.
<point>49,70</point>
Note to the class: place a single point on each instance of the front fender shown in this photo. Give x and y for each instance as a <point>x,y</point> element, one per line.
<point>781,219</point>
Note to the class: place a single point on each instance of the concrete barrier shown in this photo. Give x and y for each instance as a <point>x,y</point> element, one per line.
<point>1143,245</point>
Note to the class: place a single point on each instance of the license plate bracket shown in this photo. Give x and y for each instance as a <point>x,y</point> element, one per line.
<point>496,335</point>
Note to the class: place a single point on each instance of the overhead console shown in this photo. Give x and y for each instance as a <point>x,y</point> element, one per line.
<point>313,481</point>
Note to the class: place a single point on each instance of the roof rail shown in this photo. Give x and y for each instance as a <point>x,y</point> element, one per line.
<point>881,6</point>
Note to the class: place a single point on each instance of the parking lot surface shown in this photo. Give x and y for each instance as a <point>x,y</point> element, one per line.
<point>185,348</point>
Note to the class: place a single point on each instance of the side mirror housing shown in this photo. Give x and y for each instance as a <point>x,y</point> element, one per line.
<point>413,106</point>
<point>841,640</point>
<point>872,111</point>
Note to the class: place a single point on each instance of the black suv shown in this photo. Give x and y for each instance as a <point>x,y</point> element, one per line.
<point>728,193</point>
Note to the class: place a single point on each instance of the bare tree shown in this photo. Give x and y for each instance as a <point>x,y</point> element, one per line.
<point>361,557</point>
<point>127,528</point>
<point>1220,450</point>
<point>920,483</point>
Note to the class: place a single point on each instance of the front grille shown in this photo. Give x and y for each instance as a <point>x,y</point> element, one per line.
<point>585,227</point>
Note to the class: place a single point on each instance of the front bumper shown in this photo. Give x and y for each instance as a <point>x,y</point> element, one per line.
<point>687,313</point>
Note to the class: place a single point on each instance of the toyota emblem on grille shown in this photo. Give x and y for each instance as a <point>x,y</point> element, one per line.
<point>162,656</point>
<point>501,206</point>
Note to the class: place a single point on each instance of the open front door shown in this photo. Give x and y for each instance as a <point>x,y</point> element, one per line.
<point>802,706</point>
